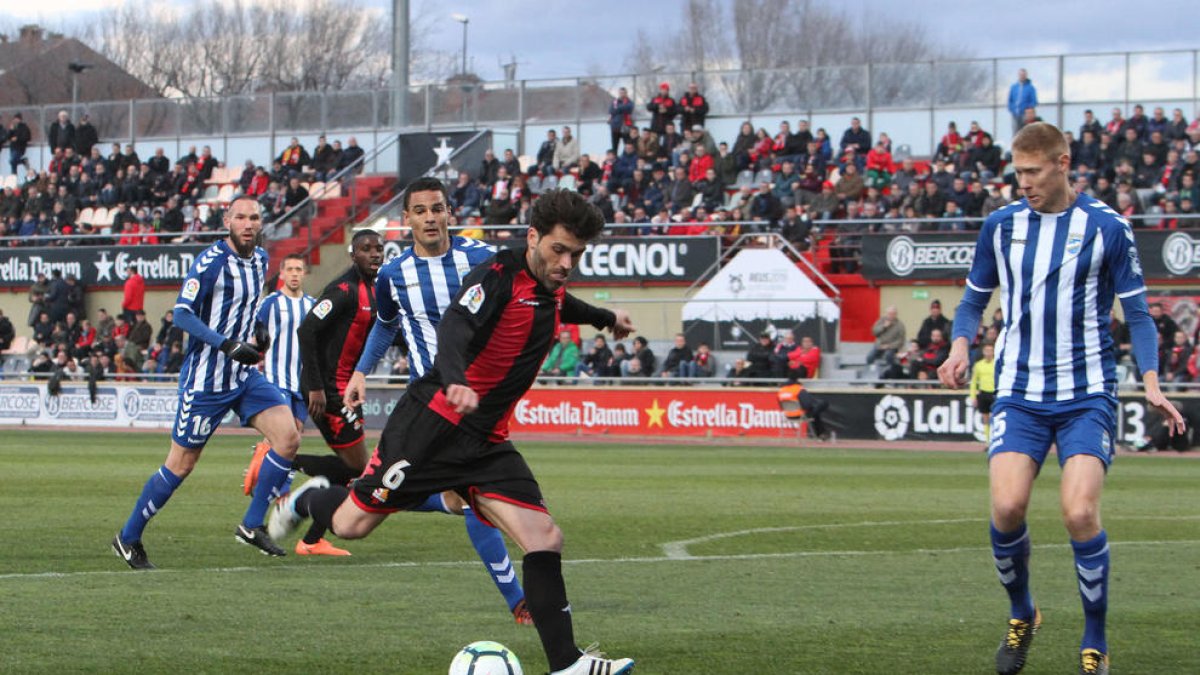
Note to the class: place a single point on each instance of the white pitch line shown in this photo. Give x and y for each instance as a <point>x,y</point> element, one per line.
<point>577,561</point>
<point>678,550</point>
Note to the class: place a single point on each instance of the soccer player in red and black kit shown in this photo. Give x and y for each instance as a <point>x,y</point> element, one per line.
<point>451,431</point>
<point>332,337</point>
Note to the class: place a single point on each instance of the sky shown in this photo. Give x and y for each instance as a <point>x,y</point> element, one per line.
<point>557,38</point>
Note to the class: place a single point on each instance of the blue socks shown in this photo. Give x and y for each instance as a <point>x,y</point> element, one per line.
<point>272,478</point>
<point>158,490</point>
<point>1011,553</point>
<point>435,503</point>
<point>489,544</point>
<point>1091,567</point>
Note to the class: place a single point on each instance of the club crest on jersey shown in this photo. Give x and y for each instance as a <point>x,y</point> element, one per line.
<point>322,308</point>
<point>191,288</point>
<point>472,299</point>
<point>1135,263</point>
<point>1074,244</point>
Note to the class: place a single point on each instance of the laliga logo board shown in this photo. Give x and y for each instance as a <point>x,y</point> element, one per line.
<point>894,420</point>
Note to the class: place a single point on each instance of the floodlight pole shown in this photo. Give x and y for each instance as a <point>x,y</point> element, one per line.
<point>400,56</point>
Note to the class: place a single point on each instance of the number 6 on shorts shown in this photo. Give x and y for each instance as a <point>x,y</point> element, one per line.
<point>395,474</point>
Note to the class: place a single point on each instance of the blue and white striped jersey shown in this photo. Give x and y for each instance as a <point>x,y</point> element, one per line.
<point>221,292</point>
<point>282,315</point>
<point>1057,275</point>
<point>416,292</point>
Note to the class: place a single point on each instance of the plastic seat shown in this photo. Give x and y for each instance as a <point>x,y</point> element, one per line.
<point>210,193</point>
<point>745,177</point>
<point>225,194</point>
<point>86,216</point>
<point>316,190</point>
<point>333,189</point>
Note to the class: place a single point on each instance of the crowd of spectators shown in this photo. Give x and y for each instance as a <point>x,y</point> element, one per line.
<point>895,357</point>
<point>151,200</point>
<point>68,344</point>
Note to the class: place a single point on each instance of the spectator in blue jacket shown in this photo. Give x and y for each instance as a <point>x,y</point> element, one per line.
<point>1021,95</point>
<point>620,116</point>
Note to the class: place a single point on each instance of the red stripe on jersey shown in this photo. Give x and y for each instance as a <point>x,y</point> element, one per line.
<point>494,362</point>
<point>356,337</point>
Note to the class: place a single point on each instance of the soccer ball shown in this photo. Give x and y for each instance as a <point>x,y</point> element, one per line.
<point>485,658</point>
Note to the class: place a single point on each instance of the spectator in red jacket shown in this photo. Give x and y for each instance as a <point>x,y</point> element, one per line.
<point>134,300</point>
<point>805,360</point>
<point>879,166</point>
<point>87,337</point>
<point>700,164</point>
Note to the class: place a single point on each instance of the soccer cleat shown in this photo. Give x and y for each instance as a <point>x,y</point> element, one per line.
<point>259,539</point>
<point>592,662</point>
<point>521,614</point>
<point>133,554</point>
<point>1093,662</point>
<point>1010,657</point>
<point>282,519</point>
<point>250,478</point>
<point>322,547</point>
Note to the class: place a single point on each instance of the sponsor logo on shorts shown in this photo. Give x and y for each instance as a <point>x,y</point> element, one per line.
<point>380,495</point>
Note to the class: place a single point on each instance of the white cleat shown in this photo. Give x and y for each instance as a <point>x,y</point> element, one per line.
<point>282,519</point>
<point>593,662</point>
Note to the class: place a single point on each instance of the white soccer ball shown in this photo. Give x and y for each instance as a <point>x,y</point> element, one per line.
<point>485,658</point>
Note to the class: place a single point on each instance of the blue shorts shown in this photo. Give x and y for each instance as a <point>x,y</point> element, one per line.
<point>296,402</point>
<point>1082,427</point>
<point>200,412</point>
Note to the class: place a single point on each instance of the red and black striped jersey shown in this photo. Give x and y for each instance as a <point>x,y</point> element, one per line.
<point>333,334</point>
<point>493,339</point>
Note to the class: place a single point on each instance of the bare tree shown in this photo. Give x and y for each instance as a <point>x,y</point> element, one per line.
<point>804,55</point>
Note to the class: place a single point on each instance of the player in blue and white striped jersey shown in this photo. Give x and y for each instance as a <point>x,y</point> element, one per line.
<point>412,293</point>
<point>280,314</point>
<point>1058,259</point>
<point>216,307</point>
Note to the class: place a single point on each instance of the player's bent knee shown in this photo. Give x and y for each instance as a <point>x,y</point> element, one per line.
<point>1008,514</point>
<point>547,537</point>
<point>1082,519</point>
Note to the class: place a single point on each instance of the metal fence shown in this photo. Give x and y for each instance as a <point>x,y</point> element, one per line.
<point>912,102</point>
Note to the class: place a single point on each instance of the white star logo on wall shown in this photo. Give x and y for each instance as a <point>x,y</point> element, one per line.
<point>103,268</point>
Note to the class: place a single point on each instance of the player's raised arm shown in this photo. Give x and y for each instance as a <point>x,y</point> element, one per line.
<point>194,292</point>
<point>577,311</point>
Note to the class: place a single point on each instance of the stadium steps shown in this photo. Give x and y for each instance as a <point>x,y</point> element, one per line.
<point>330,219</point>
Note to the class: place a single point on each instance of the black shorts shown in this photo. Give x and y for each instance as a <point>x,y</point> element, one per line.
<point>421,453</point>
<point>341,427</point>
<point>984,401</point>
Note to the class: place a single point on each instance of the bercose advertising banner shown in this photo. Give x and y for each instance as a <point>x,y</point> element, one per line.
<point>1164,254</point>
<point>98,266</point>
<point>629,259</point>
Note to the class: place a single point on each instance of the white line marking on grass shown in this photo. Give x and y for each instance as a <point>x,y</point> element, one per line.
<point>679,549</point>
<point>29,576</point>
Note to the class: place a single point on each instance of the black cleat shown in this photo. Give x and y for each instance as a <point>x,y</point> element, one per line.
<point>133,554</point>
<point>1093,662</point>
<point>259,539</point>
<point>1010,657</point>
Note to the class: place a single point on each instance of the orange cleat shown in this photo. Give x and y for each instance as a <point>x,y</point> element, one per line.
<point>250,478</point>
<point>322,547</point>
<point>522,615</point>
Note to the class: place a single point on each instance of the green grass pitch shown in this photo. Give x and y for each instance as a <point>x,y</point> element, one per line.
<point>691,559</point>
